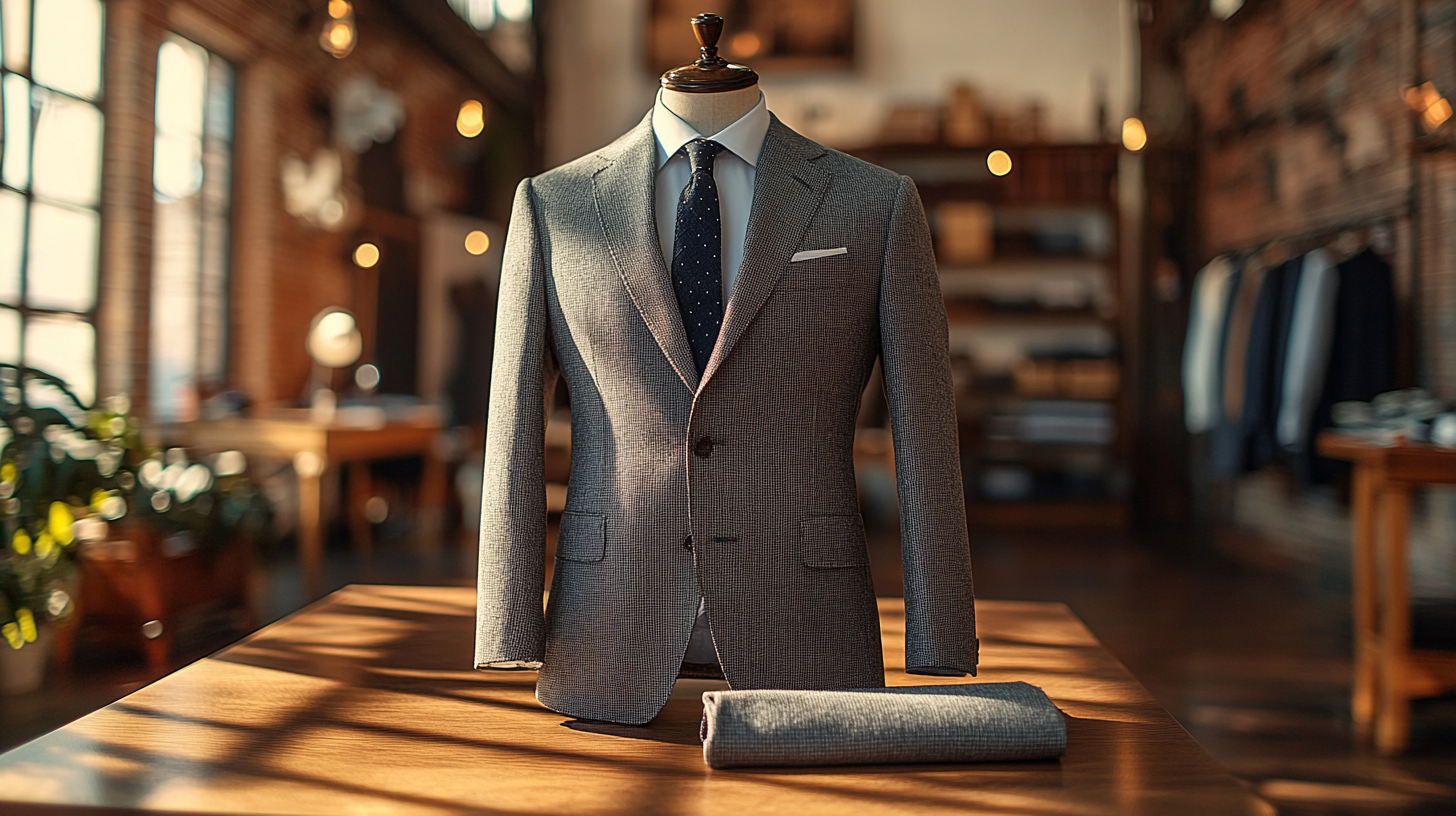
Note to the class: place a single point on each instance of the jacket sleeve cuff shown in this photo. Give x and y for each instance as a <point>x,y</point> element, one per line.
<point>511,665</point>
<point>937,671</point>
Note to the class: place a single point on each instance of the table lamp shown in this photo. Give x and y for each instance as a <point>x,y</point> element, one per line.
<point>333,342</point>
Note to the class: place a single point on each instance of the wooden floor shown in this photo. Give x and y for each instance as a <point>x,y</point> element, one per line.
<point>1255,664</point>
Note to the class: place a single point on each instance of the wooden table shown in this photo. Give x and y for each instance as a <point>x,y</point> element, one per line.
<point>1388,673</point>
<point>361,704</point>
<point>313,448</point>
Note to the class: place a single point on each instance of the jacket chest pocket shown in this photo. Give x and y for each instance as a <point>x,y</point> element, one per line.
<point>829,542</point>
<point>831,274</point>
<point>583,537</point>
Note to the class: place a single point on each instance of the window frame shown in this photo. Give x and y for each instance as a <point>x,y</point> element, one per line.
<point>21,307</point>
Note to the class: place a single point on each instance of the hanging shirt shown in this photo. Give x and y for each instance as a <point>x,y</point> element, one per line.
<point>734,171</point>
<point>1204,346</point>
<point>1308,354</point>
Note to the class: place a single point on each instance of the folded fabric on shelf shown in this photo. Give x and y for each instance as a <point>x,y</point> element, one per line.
<point>977,722</point>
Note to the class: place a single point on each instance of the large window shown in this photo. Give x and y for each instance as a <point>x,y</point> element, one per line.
<point>191,175</point>
<point>50,185</point>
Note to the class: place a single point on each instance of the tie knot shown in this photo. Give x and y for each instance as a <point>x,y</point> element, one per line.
<point>701,153</point>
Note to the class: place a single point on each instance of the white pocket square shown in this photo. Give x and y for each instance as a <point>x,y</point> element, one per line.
<point>811,254</point>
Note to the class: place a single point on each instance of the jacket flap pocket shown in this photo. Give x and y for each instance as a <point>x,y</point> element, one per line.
<point>833,541</point>
<point>583,537</point>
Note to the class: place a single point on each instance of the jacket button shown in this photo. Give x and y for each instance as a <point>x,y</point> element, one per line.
<point>704,448</point>
<point>688,543</point>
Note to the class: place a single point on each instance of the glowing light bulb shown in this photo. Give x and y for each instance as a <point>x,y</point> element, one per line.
<point>477,242</point>
<point>338,35</point>
<point>998,162</point>
<point>470,121</point>
<point>1134,135</point>
<point>366,255</point>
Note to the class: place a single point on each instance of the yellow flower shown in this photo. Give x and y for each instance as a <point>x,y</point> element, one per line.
<point>12,635</point>
<point>44,544</point>
<point>21,542</point>
<point>62,523</point>
<point>98,496</point>
<point>7,472</point>
<point>26,619</point>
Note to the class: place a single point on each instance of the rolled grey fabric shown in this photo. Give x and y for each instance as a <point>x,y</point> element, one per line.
<point>977,722</point>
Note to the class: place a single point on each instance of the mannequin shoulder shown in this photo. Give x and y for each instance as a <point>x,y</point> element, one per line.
<point>869,179</point>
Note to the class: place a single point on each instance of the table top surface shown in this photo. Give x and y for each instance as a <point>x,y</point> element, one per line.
<point>361,703</point>
<point>289,433</point>
<point>1406,461</point>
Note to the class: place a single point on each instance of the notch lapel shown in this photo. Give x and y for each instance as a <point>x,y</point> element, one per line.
<point>787,192</point>
<point>625,195</point>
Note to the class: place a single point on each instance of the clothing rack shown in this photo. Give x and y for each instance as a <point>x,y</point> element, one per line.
<point>1295,245</point>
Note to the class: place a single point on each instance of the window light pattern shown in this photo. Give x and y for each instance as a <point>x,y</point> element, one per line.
<point>191,175</point>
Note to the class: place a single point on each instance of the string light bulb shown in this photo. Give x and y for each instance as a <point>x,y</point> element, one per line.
<point>477,242</point>
<point>1134,135</point>
<point>998,162</point>
<point>1434,108</point>
<point>366,255</point>
<point>470,121</point>
<point>339,35</point>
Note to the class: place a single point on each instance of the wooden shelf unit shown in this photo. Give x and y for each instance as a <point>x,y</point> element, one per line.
<point>1047,183</point>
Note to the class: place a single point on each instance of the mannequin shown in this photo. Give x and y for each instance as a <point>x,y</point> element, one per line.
<point>709,113</point>
<point>685,504</point>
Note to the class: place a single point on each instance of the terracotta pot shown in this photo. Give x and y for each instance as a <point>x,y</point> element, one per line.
<point>23,670</point>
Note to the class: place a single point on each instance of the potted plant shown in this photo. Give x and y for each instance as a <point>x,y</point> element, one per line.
<point>75,479</point>
<point>58,476</point>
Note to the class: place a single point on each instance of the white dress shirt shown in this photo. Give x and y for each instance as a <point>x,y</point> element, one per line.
<point>734,170</point>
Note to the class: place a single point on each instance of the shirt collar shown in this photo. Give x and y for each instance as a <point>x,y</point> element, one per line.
<point>744,137</point>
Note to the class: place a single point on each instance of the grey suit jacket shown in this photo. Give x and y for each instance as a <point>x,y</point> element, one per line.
<point>739,483</point>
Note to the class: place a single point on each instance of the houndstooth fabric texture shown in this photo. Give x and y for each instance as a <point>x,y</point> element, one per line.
<point>753,459</point>
<point>981,722</point>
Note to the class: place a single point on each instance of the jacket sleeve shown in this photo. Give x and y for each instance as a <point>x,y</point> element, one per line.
<point>510,627</point>
<point>940,617</point>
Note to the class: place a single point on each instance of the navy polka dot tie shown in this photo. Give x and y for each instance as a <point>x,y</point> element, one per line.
<point>697,266</point>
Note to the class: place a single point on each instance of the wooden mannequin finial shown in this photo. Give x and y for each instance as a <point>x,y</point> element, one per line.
<point>711,73</point>
<point>708,28</point>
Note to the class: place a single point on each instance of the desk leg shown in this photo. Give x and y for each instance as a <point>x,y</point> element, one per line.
<point>310,469</point>
<point>359,528</point>
<point>1392,715</point>
<point>1363,601</point>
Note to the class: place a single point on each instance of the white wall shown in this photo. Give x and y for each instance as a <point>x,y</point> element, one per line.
<point>907,51</point>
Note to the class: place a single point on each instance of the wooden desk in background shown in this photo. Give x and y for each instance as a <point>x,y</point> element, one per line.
<point>313,448</point>
<point>1388,673</point>
<point>363,703</point>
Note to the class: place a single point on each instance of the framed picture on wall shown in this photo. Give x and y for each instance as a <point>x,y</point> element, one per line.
<point>767,35</point>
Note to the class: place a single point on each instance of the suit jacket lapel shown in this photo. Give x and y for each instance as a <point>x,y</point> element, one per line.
<point>624,190</point>
<point>787,192</point>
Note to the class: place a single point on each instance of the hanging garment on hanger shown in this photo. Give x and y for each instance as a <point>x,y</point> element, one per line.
<point>1203,347</point>
<point>1310,331</point>
<point>1362,351</point>
<point>1250,312</point>
<point>1257,446</point>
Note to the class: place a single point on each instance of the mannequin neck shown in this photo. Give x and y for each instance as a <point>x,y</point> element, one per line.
<point>709,113</point>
